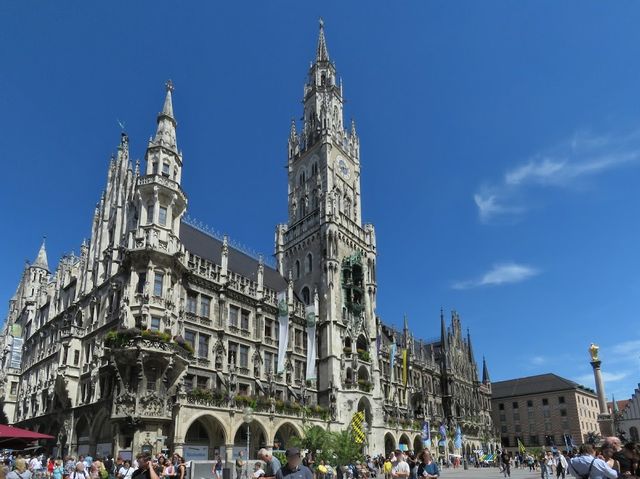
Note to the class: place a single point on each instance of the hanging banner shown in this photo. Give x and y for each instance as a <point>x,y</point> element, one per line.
<point>392,363</point>
<point>357,427</point>
<point>426,434</point>
<point>457,439</point>
<point>405,358</point>
<point>283,329</point>
<point>311,317</point>
<point>443,435</point>
<point>16,352</point>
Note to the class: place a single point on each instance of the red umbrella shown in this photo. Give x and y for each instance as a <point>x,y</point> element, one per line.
<point>15,437</point>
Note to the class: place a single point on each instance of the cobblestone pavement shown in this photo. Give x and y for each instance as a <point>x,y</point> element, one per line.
<point>488,473</point>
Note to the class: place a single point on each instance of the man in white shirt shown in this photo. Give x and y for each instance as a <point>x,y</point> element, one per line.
<point>401,468</point>
<point>588,465</point>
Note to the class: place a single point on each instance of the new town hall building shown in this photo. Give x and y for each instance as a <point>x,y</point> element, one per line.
<point>159,334</point>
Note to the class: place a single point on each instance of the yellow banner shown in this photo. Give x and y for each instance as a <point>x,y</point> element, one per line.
<point>356,427</point>
<point>404,366</point>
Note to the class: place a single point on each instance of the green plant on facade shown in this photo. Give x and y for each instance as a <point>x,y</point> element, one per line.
<point>118,339</point>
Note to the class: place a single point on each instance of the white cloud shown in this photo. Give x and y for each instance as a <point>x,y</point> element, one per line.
<point>608,377</point>
<point>582,156</point>
<point>499,274</point>
<point>538,360</point>
<point>626,349</point>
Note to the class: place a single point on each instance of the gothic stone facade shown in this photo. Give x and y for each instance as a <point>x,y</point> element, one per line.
<point>159,334</point>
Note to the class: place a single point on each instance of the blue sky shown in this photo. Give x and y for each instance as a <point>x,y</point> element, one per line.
<point>500,146</point>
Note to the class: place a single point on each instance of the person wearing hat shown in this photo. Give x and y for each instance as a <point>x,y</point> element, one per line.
<point>293,469</point>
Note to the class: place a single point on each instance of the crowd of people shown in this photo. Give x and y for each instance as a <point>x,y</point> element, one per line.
<point>144,466</point>
<point>611,460</point>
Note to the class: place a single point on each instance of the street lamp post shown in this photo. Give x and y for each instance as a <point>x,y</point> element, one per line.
<point>247,418</point>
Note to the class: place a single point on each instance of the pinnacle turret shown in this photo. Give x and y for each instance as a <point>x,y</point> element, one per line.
<point>41,259</point>
<point>322,54</point>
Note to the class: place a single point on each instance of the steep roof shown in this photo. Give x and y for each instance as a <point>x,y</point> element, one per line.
<point>542,383</point>
<point>209,247</point>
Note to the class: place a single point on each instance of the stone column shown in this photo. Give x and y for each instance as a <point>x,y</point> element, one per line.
<point>597,374</point>
<point>604,418</point>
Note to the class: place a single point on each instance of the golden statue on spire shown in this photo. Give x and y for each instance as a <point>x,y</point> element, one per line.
<point>593,351</point>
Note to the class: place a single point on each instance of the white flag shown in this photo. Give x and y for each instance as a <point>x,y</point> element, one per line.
<point>283,329</point>
<point>311,341</point>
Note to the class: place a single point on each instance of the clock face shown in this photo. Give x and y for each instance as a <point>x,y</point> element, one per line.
<point>343,168</point>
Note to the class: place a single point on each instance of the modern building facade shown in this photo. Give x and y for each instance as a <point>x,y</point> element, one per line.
<point>159,334</point>
<point>544,410</point>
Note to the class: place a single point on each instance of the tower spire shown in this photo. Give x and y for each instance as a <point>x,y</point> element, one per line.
<point>443,332</point>
<point>471,358</point>
<point>322,54</point>
<point>41,259</point>
<point>166,131</point>
<point>485,372</point>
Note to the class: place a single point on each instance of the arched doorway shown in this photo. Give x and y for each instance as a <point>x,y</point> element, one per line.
<point>83,436</point>
<point>205,438</point>
<point>389,444</point>
<point>405,443</point>
<point>282,438</point>
<point>365,405</point>
<point>102,435</point>
<point>417,444</point>
<point>257,439</point>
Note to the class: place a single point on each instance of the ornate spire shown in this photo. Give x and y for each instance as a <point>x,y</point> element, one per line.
<point>166,131</point>
<point>322,54</point>
<point>41,259</point>
<point>443,332</point>
<point>471,358</point>
<point>485,372</point>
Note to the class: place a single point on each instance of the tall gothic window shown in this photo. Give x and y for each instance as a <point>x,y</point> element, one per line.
<point>150,213</point>
<point>306,296</point>
<point>162,216</point>
<point>308,265</point>
<point>297,269</point>
<point>158,279</point>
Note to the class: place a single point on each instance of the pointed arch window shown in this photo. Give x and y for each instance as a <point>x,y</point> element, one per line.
<point>308,264</point>
<point>297,269</point>
<point>306,295</point>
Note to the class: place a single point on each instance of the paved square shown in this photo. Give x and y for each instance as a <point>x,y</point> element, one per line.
<point>488,472</point>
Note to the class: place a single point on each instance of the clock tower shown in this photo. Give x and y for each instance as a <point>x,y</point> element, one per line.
<point>326,249</point>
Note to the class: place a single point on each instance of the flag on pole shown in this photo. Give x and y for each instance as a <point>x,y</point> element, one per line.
<point>426,434</point>
<point>457,439</point>
<point>521,447</point>
<point>443,435</point>
<point>357,428</point>
<point>283,329</point>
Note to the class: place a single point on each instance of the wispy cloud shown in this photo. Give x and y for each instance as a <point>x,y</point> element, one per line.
<point>499,274</point>
<point>582,156</point>
<point>538,360</point>
<point>608,377</point>
<point>626,349</point>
